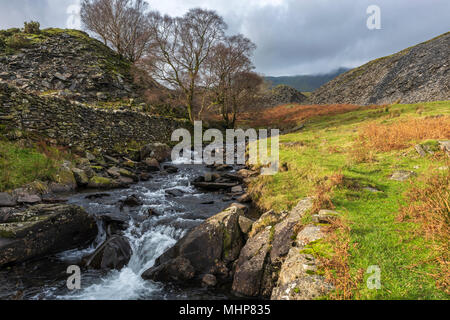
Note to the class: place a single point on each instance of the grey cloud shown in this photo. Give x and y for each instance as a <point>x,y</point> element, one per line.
<point>296,37</point>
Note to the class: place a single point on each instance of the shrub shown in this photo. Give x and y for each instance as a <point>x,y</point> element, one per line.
<point>32,27</point>
<point>18,41</point>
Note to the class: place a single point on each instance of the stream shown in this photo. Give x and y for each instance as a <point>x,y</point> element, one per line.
<point>148,237</point>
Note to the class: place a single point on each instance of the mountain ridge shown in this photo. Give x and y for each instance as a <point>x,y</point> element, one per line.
<point>416,74</point>
<point>306,83</point>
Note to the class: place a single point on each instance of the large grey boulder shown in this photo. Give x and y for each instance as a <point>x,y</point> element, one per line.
<point>44,229</point>
<point>209,248</point>
<point>6,200</point>
<point>114,253</point>
<point>249,272</point>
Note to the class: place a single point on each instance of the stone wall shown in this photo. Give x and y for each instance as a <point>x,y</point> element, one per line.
<point>78,125</point>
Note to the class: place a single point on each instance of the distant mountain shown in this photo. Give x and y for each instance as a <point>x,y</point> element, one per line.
<point>306,83</point>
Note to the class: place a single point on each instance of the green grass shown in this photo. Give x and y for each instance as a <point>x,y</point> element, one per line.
<point>380,239</point>
<point>21,165</point>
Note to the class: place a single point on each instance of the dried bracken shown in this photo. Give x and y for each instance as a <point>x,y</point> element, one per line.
<point>403,133</point>
<point>429,207</point>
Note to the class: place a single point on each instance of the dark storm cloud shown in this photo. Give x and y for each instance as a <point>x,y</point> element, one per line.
<point>293,36</point>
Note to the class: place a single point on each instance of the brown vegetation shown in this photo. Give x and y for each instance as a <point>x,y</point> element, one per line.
<point>288,115</point>
<point>403,133</point>
<point>323,192</point>
<point>429,207</point>
<point>336,266</point>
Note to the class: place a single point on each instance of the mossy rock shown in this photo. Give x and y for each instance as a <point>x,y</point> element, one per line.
<point>97,182</point>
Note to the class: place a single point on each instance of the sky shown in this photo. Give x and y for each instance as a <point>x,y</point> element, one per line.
<point>292,36</point>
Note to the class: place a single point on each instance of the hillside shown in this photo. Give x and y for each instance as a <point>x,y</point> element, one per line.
<point>282,94</point>
<point>306,83</point>
<point>384,173</point>
<point>416,74</point>
<point>67,63</point>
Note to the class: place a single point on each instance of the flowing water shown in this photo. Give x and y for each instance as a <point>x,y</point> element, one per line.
<point>149,238</point>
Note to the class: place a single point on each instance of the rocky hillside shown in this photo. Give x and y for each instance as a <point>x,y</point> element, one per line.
<point>417,74</point>
<point>283,94</point>
<point>64,62</point>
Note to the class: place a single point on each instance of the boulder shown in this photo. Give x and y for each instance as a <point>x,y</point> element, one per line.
<point>114,223</point>
<point>111,159</point>
<point>98,182</point>
<point>214,186</point>
<point>159,151</point>
<point>284,231</point>
<point>132,201</point>
<point>113,172</point>
<point>237,189</point>
<point>245,224</point>
<point>209,280</point>
<point>177,270</point>
<point>51,198</point>
<point>144,176</point>
<point>114,253</point>
<point>152,164</point>
<point>402,175</point>
<point>209,248</point>
<point>81,177</point>
<point>26,198</point>
<point>127,174</point>
<point>245,173</point>
<point>245,198</point>
<point>420,150</point>
<point>325,216</point>
<point>250,266</point>
<point>64,180</point>
<point>6,200</point>
<point>445,146</point>
<point>175,192</point>
<point>45,229</point>
<point>171,169</point>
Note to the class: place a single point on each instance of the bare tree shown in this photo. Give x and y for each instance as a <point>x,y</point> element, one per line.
<point>229,77</point>
<point>181,47</point>
<point>121,24</point>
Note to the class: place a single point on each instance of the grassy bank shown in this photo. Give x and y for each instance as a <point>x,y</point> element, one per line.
<point>345,160</point>
<point>22,163</point>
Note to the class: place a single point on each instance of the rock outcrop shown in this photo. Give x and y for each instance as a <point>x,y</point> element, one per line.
<point>283,94</point>
<point>271,264</point>
<point>42,230</point>
<point>416,74</point>
<point>70,64</point>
